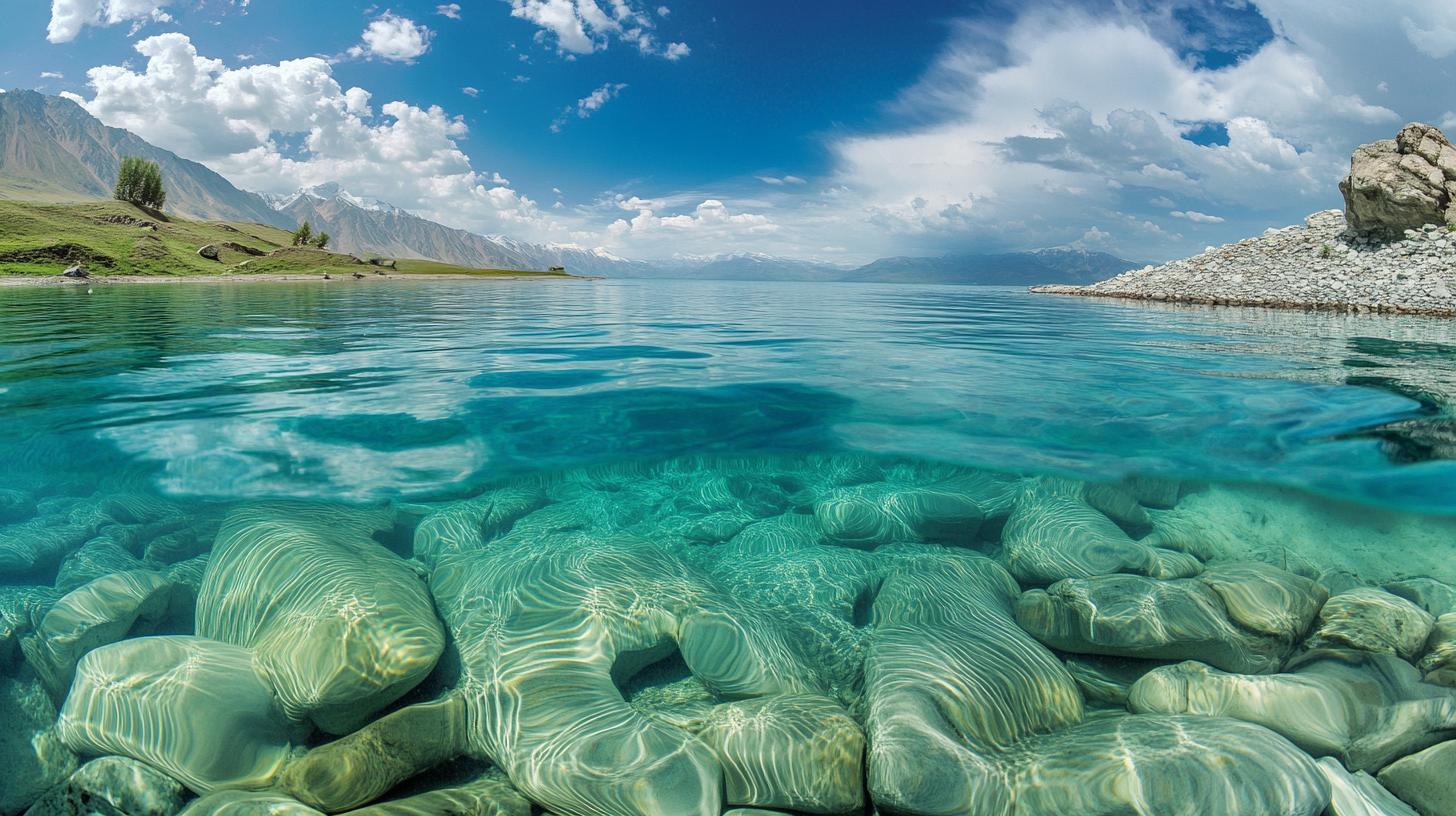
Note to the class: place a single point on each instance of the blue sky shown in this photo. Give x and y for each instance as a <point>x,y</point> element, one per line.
<point>834,130</point>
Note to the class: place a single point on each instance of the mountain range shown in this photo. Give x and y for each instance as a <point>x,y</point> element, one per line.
<point>52,149</point>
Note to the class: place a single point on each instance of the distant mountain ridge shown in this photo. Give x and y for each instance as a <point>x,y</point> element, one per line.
<point>53,149</point>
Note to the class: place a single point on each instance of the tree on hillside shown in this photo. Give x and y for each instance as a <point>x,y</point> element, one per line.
<point>322,241</point>
<point>303,235</point>
<point>139,182</point>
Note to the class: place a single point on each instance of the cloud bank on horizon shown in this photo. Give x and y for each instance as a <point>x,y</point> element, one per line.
<point>1146,128</point>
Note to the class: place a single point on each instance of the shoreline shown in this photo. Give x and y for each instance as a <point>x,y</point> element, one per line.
<point>1341,307</point>
<point>264,277</point>
<point>1321,265</point>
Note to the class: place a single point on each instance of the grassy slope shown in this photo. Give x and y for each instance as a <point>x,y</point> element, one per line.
<point>44,239</point>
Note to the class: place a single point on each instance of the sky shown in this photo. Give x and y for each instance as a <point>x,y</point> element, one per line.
<point>832,130</point>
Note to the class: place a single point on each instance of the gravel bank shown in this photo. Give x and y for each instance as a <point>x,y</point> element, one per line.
<point>1320,265</point>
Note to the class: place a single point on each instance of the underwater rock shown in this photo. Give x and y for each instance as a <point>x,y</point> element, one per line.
<point>800,752</point>
<point>101,612</point>
<point>1243,619</point>
<point>40,543</point>
<point>1169,766</point>
<point>869,515</point>
<point>1439,663</point>
<point>1364,708</point>
<point>467,524</point>
<point>339,626</point>
<point>491,795</point>
<point>247,803</point>
<point>950,677</point>
<point>128,787</point>
<point>545,624</point>
<point>1358,794</point>
<point>1054,534</point>
<point>361,767</point>
<point>97,558</point>
<point>1426,781</point>
<point>191,707</point>
<point>32,757</point>
<point>1373,620</point>
<point>1436,597</point>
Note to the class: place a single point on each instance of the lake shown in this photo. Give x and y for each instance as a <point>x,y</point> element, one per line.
<point>666,547</point>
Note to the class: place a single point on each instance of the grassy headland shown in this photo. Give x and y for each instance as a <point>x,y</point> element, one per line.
<point>111,238</point>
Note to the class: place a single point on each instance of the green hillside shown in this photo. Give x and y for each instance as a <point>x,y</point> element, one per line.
<point>113,238</point>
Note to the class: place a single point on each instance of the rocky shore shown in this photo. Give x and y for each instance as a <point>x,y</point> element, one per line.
<point>1392,250</point>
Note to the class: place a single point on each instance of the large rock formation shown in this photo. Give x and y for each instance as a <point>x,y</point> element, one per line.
<point>1402,183</point>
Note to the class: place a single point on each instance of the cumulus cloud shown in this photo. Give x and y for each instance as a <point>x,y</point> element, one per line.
<point>394,38</point>
<point>1033,129</point>
<point>709,226</point>
<point>451,10</point>
<point>584,26</point>
<point>589,104</point>
<point>470,91</point>
<point>779,181</point>
<point>277,127</point>
<point>68,17</point>
<point>52,75</point>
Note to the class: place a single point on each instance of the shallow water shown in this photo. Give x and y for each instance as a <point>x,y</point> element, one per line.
<point>775,480</point>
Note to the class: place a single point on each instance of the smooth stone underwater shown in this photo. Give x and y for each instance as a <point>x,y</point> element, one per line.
<point>191,707</point>
<point>126,786</point>
<point>1367,709</point>
<point>1243,618</point>
<point>339,626</point>
<point>1426,780</point>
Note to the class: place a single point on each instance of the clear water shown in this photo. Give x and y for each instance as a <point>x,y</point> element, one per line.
<point>143,416</point>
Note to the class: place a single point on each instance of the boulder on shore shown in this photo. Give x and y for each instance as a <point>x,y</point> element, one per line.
<point>1402,183</point>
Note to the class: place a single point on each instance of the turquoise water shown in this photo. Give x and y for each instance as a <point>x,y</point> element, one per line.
<point>749,489</point>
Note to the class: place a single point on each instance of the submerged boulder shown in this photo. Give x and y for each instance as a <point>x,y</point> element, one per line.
<point>799,752</point>
<point>1373,620</point>
<point>191,707</point>
<point>1401,184</point>
<point>363,766</point>
<point>101,612</point>
<point>247,803</point>
<point>1365,709</point>
<point>339,626</point>
<point>1055,534</point>
<point>884,512</point>
<point>1426,780</point>
<point>1244,618</point>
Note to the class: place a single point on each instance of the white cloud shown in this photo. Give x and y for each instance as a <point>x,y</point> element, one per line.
<point>277,127</point>
<point>52,75</point>
<point>779,181</point>
<point>470,91</point>
<point>663,11</point>
<point>394,38</point>
<point>589,104</point>
<point>451,10</point>
<point>584,26</point>
<point>68,17</point>
<point>1018,118</point>
<point>1201,218</point>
